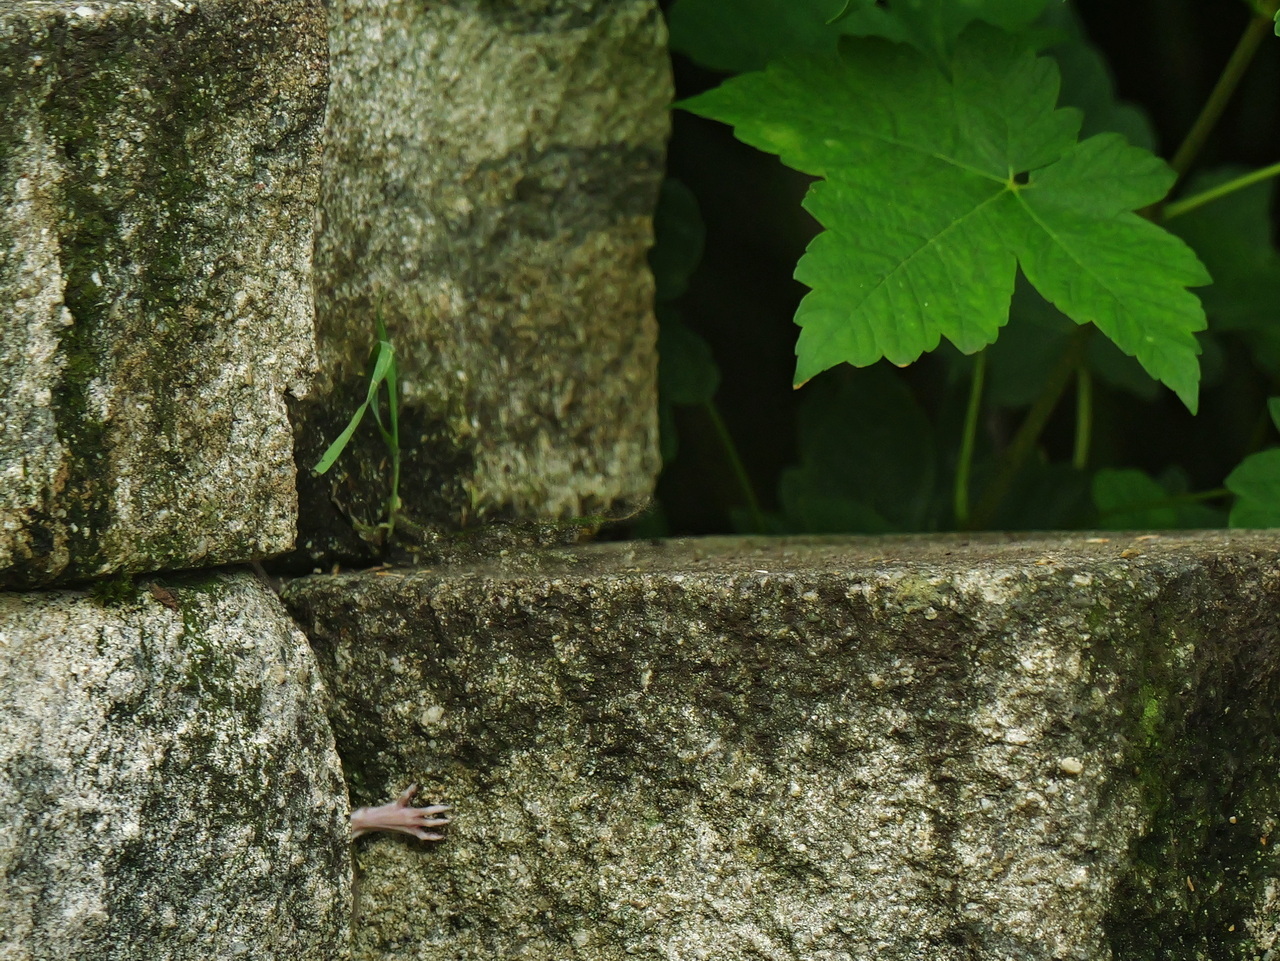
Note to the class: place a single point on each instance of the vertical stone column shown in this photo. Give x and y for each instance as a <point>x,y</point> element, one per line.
<point>490,175</point>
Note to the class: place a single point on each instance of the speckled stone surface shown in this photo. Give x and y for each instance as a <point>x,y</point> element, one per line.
<point>169,789</point>
<point>490,177</point>
<point>159,168</point>
<point>1058,747</point>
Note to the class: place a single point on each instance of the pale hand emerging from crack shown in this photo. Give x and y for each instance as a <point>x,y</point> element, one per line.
<point>400,815</point>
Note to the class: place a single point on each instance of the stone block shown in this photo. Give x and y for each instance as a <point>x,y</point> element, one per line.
<point>490,177</point>
<point>168,782</point>
<point>159,169</point>
<point>1057,747</point>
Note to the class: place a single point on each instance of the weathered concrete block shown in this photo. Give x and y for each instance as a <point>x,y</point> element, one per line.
<point>159,168</point>
<point>490,176</point>
<point>168,784</point>
<point>953,748</point>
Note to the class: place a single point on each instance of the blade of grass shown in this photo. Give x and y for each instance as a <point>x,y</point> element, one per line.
<point>385,359</point>
<point>392,434</point>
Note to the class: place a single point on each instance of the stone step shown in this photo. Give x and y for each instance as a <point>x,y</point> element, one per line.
<point>950,748</point>
<point>159,169</point>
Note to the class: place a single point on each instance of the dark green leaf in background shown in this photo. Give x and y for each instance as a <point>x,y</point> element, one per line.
<point>1133,500</point>
<point>1273,408</point>
<point>687,373</point>
<point>867,458</point>
<point>740,35</point>
<point>933,26</point>
<point>1129,500</point>
<point>1032,345</point>
<point>1233,237</point>
<point>1019,363</point>
<point>1087,83</point>
<point>1256,484</point>
<point>936,187</point>
<point>1045,496</point>
<point>678,238</point>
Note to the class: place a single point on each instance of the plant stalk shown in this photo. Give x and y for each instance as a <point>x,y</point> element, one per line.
<point>393,423</point>
<point>965,465</point>
<point>1084,417</point>
<point>1015,455</point>
<point>1187,204</point>
<point>736,466</point>
<point>1259,27</point>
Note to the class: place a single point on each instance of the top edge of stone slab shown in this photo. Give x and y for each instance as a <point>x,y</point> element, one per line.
<point>85,8</point>
<point>784,555</point>
<point>81,10</point>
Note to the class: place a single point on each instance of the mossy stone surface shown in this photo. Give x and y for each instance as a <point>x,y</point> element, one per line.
<point>1056,747</point>
<point>491,171</point>
<point>168,779</point>
<point>159,168</point>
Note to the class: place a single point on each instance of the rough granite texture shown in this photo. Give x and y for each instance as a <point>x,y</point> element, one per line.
<point>159,169</point>
<point>168,782</point>
<point>491,171</point>
<point>1061,747</point>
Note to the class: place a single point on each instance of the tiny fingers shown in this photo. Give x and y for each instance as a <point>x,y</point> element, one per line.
<point>401,816</point>
<point>408,794</point>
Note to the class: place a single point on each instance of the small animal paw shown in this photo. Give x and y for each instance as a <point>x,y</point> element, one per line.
<point>399,815</point>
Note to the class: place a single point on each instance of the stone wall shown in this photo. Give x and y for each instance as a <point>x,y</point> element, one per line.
<point>1061,747</point>
<point>205,206</point>
<point>489,182</point>
<point>170,782</point>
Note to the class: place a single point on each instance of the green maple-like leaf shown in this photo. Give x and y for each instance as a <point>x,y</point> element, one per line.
<point>937,185</point>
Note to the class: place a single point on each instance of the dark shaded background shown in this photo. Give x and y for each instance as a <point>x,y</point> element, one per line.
<point>1166,56</point>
